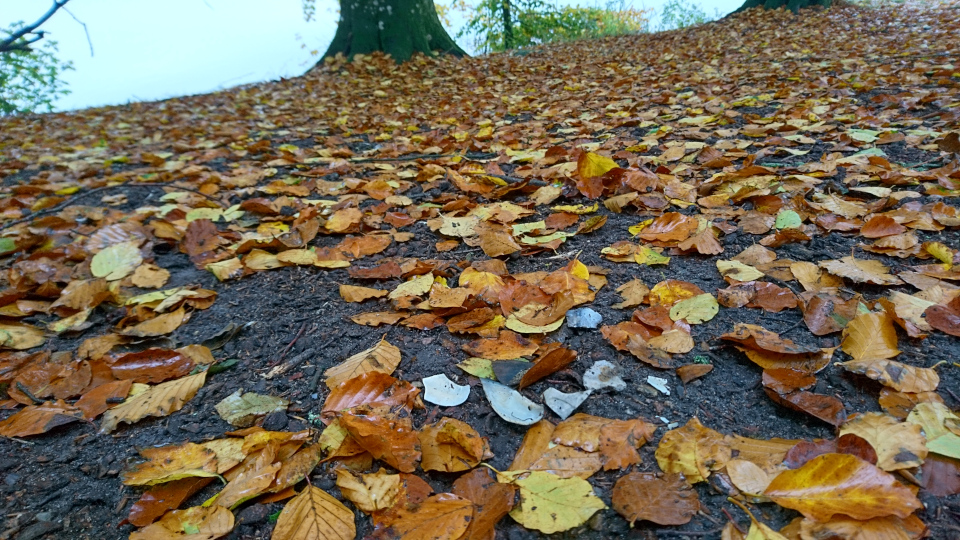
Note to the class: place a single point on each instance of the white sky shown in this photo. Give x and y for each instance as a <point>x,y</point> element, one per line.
<point>155,49</point>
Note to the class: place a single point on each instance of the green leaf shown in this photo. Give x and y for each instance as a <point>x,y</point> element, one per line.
<point>549,503</point>
<point>117,261</point>
<point>788,219</point>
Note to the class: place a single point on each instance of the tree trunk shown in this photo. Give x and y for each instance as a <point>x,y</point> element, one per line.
<point>507,25</point>
<point>792,5</point>
<point>399,28</point>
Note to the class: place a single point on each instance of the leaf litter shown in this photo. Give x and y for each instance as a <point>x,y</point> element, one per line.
<point>780,243</point>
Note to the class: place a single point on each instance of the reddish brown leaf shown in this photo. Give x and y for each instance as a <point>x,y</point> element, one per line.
<point>386,437</point>
<point>95,402</point>
<point>167,496</point>
<point>36,419</point>
<point>152,366</point>
<point>550,363</point>
<point>664,500</point>
<point>373,389</point>
<point>491,501</point>
<point>787,387</point>
<point>940,475</point>
<point>880,226</point>
<point>670,227</point>
<point>945,318</point>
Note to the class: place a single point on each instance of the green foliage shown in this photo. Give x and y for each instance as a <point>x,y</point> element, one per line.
<point>30,80</point>
<point>537,21</point>
<point>683,13</point>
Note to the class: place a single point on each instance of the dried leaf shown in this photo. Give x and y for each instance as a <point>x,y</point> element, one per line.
<point>693,451</point>
<point>159,400</point>
<point>841,484</point>
<point>314,514</point>
<point>381,358</point>
<point>666,500</point>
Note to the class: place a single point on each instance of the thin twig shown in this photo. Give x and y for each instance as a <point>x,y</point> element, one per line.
<point>690,533</point>
<point>26,391</point>
<point>85,31</point>
<point>290,345</point>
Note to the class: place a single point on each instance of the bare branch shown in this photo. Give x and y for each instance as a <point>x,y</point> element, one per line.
<point>85,31</point>
<point>9,44</point>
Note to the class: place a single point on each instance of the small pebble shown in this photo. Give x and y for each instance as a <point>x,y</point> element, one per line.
<point>583,318</point>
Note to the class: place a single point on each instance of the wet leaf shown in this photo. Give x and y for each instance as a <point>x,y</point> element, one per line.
<point>381,358</point>
<point>162,497</point>
<point>841,484</point>
<point>386,437</point>
<point>169,463</point>
<point>242,409</point>
<point>443,516</point>
<point>36,419</point>
<point>314,514</point>
<point>117,261</point>
<point>549,503</point>
<point>374,389</point>
<point>159,400</point>
<point>451,446</point>
<point>666,500</point>
<point>197,523</point>
<point>693,451</point>
<point>151,366</point>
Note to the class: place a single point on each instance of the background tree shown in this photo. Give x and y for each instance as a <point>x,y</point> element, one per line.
<point>399,28</point>
<point>792,5</point>
<point>30,76</point>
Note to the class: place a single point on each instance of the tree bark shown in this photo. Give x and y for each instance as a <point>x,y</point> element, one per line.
<point>399,28</point>
<point>507,25</point>
<point>792,5</point>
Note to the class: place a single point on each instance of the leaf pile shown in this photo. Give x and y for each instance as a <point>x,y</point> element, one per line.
<point>753,145</point>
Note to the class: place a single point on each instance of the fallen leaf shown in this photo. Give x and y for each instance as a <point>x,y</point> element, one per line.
<point>870,336</point>
<point>549,503</point>
<point>666,500</point>
<point>162,497</point>
<point>442,516</point>
<point>159,400</point>
<point>314,514</point>
<point>933,419</point>
<point>350,293</point>
<point>450,445</point>
<point>491,501</point>
<point>373,389</point>
<point>242,410</point>
<point>861,271</point>
<point>370,492</point>
<point>386,437</point>
<point>382,358</point>
<point>169,463</point>
<point>197,523</point>
<point>841,484</point>
<point>36,419</point>
<point>159,325</point>
<point>117,261</point>
<point>693,451</point>
<point>896,375</point>
<point>151,366</point>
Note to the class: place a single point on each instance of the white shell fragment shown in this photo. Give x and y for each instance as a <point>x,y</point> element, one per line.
<point>583,318</point>
<point>603,374</point>
<point>564,404</point>
<point>659,384</point>
<point>510,404</point>
<point>440,390</point>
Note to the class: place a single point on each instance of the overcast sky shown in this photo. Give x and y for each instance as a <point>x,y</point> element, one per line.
<point>155,49</point>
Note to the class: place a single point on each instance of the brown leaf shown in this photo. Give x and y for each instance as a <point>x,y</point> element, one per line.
<point>162,497</point>
<point>491,501</point>
<point>350,293</point>
<point>159,325</point>
<point>941,475</point>
<point>96,401</point>
<point>388,438</point>
<point>666,500</point>
<point>381,358</point>
<point>759,338</point>
<point>870,336</point>
<point>451,446</point>
<point>784,386</point>
<point>690,372</point>
<point>880,226</point>
<point>945,318</point>
<point>693,451</point>
<point>670,227</point>
<point>151,366</point>
<point>506,346</point>
<point>208,522</point>
<point>900,377</point>
<point>443,516</point>
<point>548,364</point>
<point>825,313</point>
<point>804,451</point>
<point>374,389</point>
<point>36,419</point>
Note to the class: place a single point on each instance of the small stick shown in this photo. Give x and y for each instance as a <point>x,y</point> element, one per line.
<point>690,533</point>
<point>26,391</point>
<point>290,345</point>
<point>294,362</point>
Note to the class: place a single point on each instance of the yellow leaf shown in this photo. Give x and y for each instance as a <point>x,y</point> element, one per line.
<point>370,492</point>
<point>351,293</point>
<point>159,400</point>
<point>549,503</point>
<point>899,445</point>
<point>169,463</point>
<point>315,514</point>
<point>590,165</point>
<point>197,523</point>
<point>870,336</point>
<point>382,357</point>
<point>841,484</point>
<point>693,450</point>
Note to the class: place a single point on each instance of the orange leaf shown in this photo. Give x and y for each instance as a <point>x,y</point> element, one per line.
<point>491,500</point>
<point>841,484</point>
<point>391,439</point>
<point>666,500</point>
